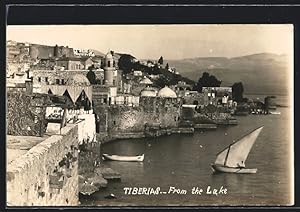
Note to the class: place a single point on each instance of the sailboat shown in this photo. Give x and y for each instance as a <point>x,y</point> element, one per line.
<point>232,158</point>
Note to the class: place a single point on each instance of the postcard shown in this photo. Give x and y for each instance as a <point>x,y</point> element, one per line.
<point>150,115</point>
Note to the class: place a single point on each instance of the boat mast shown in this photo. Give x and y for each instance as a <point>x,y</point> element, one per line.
<point>227,155</point>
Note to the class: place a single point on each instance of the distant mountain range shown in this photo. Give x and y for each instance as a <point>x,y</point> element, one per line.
<point>98,53</point>
<point>264,73</point>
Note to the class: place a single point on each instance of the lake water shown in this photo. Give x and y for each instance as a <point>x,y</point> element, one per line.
<point>183,161</point>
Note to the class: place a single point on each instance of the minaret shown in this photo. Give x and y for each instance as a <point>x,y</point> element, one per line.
<point>109,69</point>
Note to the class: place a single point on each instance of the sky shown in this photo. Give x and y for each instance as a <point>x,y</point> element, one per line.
<point>169,41</point>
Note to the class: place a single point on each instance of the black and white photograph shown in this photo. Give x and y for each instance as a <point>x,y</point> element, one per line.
<point>150,115</point>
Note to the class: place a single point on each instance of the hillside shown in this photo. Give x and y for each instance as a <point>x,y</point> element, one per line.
<point>98,53</point>
<point>263,73</point>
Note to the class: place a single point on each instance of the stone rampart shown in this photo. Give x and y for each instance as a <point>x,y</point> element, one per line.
<point>156,111</point>
<point>47,175</point>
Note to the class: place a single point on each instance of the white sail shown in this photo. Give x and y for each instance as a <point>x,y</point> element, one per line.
<point>236,153</point>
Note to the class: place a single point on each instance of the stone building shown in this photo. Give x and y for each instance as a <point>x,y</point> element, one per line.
<point>181,88</point>
<point>149,92</point>
<point>194,98</point>
<point>69,63</point>
<point>38,51</point>
<point>138,84</point>
<point>17,52</point>
<point>217,95</point>
<point>110,85</point>
<point>77,89</point>
<point>154,108</point>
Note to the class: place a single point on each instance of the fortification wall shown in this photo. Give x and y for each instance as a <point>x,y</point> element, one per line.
<point>152,111</point>
<point>47,174</point>
<point>44,52</point>
<point>41,51</point>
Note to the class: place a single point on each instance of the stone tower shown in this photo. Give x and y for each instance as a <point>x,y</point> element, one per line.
<point>109,69</point>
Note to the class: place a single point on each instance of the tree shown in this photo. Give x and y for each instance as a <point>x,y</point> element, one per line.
<point>207,81</point>
<point>162,81</point>
<point>161,60</point>
<point>91,77</point>
<point>156,70</point>
<point>167,66</point>
<point>237,91</point>
<point>125,63</point>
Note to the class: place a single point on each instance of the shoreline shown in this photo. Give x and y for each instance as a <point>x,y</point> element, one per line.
<point>105,138</point>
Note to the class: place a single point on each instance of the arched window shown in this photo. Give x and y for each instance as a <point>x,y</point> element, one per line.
<point>108,63</point>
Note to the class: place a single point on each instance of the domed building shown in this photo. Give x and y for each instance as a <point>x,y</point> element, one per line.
<point>148,92</point>
<point>146,81</point>
<point>166,92</point>
<point>78,80</point>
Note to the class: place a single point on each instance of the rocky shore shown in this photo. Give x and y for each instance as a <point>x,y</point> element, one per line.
<point>94,181</point>
<point>92,175</point>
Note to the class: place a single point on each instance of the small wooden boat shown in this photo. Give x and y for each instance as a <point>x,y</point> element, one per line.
<point>137,158</point>
<point>232,158</point>
<point>274,113</point>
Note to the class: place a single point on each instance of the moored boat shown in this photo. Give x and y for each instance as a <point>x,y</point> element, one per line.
<point>232,158</point>
<point>138,158</point>
<point>274,113</point>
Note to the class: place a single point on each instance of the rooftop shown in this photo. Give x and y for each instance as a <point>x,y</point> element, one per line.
<point>167,93</point>
<point>146,81</point>
<point>148,91</point>
<point>78,80</point>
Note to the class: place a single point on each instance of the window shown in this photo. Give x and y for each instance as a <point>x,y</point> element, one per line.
<point>114,82</point>
<point>46,79</point>
<point>57,81</point>
<point>108,63</point>
<point>62,81</point>
<point>39,79</point>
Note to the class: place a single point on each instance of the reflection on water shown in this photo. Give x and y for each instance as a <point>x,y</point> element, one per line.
<point>184,162</point>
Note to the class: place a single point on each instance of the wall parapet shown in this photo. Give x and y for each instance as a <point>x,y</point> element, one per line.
<point>47,174</point>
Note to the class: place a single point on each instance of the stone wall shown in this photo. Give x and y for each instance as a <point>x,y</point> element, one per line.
<point>43,51</point>
<point>26,113</point>
<point>195,98</point>
<point>152,110</point>
<point>47,174</point>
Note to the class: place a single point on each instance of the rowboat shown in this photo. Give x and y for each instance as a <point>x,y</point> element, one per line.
<point>137,158</point>
<point>232,158</point>
<point>274,113</point>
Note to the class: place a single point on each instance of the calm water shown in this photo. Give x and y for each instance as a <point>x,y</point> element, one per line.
<point>184,162</point>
